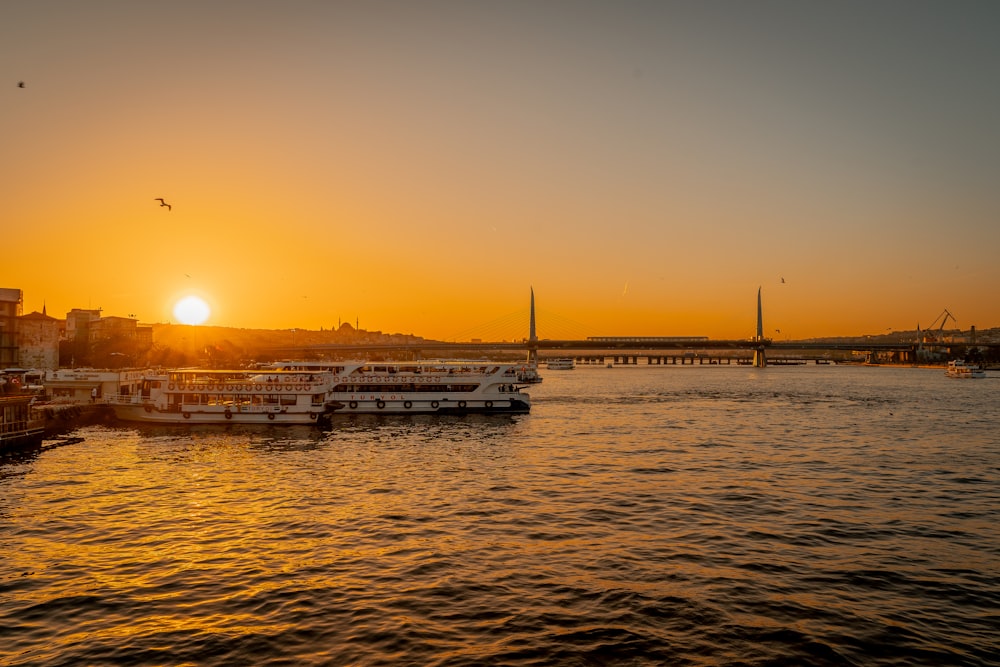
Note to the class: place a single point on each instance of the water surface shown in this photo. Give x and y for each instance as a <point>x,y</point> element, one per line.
<point>678,515</point>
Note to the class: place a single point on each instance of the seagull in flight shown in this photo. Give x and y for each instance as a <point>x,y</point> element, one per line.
<point>782,280</point>
<point>163,203</point>
<point>20,84</point>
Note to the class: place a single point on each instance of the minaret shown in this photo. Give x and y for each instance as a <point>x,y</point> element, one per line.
<point>759,358</point>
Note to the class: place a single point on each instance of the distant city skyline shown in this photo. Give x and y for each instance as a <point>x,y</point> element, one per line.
<point>514,327</point>
<point>645,167</point>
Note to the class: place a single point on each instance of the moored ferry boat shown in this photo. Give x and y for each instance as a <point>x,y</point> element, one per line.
<point>560,364</point>
<point>960,369</point>
<point>19,427</point>
<point>307,392</point>
<point>434,387</point>
<point>200,396</point>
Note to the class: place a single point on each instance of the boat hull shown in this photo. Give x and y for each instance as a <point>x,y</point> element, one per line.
<point>149,415</point>
<point>963,371</point>
<point>435,405</point>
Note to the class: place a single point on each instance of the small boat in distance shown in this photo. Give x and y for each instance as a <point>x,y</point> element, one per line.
<point>960,369</point>
<point>528,374</point>
<point>564,364</point>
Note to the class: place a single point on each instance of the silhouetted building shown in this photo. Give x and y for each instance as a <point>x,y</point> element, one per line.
<point>76,348</point>
<point>114,341</point>
<point>10,309</point>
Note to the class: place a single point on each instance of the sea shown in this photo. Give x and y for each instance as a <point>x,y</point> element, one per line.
<point>642,515</point>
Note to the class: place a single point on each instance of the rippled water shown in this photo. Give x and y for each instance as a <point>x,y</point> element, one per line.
<point>684,516</point>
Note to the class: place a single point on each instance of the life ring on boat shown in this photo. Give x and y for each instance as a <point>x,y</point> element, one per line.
<point>312,415</point>
<point>268,387</point>
<point>148,408</point>
<point>288,387</point>
<point>187,415</point>
<point>380,404</point>
<point>489,404</point>
<point>434,404</point>
<point>461,404</point>
<point>170,386</point>
<point>407,404</point>
<point>229,415</point>
<point>257,388</point>
<point>229,387</point>
<point>270,415</point>
<point>353,404</point>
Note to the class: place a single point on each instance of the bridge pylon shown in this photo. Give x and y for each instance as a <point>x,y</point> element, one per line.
<point>759,357</point>
<point>532,335</point>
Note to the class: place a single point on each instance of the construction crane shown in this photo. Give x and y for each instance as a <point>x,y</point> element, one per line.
<point>932,336</point>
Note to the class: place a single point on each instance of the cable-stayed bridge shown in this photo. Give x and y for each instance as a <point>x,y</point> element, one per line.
<point>656,350</point>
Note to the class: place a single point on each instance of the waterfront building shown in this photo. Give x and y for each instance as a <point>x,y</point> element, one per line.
<point>83,385</point>
<point>38,341</point>
<point>78,336</point>
<point>10,309</point>
<point>118,341</point>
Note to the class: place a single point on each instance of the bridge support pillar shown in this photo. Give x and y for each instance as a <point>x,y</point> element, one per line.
<point>759,358</point>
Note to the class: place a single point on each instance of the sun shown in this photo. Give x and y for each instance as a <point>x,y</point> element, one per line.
<point>191,310</point>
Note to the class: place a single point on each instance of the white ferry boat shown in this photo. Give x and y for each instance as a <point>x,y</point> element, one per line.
<point>960,369</point>
<point>560,364</point>
<point>200,396</point>
<point>438,387</point>
<point>307,392</point>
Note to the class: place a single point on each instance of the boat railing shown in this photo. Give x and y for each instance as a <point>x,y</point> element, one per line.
<point>125,399</point>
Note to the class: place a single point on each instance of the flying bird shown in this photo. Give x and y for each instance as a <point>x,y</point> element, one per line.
<point>20,84</point>
<point>782,280</point>
<point>163,203</point>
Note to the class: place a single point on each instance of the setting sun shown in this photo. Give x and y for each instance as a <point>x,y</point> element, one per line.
<point>191,310</point>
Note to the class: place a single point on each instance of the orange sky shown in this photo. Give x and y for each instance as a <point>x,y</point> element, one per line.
<point>418,167</point>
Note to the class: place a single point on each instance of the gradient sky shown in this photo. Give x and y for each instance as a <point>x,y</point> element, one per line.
<point>417,166</point>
